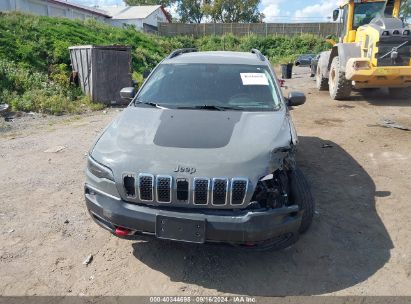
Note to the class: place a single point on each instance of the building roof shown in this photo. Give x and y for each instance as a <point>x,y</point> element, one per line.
<point>133,12</point>
<point>112,10</point>
<point>83,8</point>
<point>220,57</point>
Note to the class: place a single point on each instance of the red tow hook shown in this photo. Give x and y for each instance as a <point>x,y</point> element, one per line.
<point>120,231</point>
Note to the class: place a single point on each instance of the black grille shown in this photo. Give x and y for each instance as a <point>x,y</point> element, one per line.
<point>219,191</point>
<point>146,187</point>
<point>386,45</point>
<point>182,190</point>
<point>238,193</point>
<point>164,189</point>
<point>201,191</point>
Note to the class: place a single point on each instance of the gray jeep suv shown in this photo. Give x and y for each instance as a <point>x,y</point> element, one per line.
<point>203,153</point>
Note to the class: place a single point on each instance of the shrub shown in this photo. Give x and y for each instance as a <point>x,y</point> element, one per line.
<point>28,91</point>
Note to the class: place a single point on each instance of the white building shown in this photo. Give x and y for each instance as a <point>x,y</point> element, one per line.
<point>145,17</point>
<point>54,8</point>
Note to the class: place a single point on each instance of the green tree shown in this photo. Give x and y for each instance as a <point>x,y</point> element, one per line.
<point>406,9</point>
<point>192,11</point>
<point>233,11</point>
<point>224,11</point>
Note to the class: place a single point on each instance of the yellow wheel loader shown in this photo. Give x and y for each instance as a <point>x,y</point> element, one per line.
<point>374,50</point>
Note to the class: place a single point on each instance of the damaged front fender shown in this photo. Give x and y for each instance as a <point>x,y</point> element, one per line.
<point>283,158</point>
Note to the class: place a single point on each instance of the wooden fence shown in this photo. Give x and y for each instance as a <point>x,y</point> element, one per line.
<point>242,29</point>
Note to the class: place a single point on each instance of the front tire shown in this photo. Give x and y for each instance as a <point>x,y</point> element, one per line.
<point>312,71</point>
<point>300,193</point>
<point>322,83</point>
<point>340,87</point>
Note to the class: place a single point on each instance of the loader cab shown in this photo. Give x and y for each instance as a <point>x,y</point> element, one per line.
<point>354,14</point>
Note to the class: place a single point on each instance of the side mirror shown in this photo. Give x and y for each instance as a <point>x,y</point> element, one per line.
<point>127,93</point>
<point>336,14</point>
<point>296,99</point>
<point>146,73</point>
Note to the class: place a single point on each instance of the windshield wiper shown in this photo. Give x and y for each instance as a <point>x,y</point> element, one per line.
<point>210,107</point>
<point>153,104</point>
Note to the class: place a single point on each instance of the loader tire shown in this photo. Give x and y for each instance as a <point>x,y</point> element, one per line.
<point>300,193</point>
<point>340,87</point>
<point>322,83</point>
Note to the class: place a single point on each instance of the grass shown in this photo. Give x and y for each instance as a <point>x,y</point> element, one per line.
<point>35,62</point>
<point>28,90</point>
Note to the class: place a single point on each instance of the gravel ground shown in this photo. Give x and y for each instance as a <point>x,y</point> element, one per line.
<point>359,243</point>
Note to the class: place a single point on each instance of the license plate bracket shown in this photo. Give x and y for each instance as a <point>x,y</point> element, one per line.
<point>180,229</point>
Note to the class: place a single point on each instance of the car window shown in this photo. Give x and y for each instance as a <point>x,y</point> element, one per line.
<point>365,12</point>
<point>245,87</point>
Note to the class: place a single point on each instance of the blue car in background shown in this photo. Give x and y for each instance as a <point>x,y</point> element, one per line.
<point>304,60</point>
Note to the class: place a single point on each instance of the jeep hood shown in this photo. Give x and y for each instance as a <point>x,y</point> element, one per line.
<point>215,143</point>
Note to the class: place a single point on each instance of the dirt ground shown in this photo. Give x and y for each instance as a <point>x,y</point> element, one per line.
<point>359,244</point>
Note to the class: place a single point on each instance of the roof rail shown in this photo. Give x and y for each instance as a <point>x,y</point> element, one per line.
<point>259,54</point>
<point>181,51</point>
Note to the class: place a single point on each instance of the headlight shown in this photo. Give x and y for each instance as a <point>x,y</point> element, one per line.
<point>99,170</point>
<point>271,190</point>
<point>362,65</point>
<point>278,156</point>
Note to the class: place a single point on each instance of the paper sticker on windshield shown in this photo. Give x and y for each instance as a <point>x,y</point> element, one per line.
<point>254,79</point>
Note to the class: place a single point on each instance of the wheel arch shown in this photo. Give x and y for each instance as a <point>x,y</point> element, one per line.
<point>344,51</point>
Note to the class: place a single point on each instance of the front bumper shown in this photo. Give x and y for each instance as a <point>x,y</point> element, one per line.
<point>375,77</point>
<point>224,226</point>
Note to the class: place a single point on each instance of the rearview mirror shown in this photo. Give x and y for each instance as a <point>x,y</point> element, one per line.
<point>296,99</point>
<point>127,93</point>
<point>336,14</point>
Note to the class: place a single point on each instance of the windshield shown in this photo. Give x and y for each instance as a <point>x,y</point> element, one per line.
<point>227,86</point>
<point>365,12</point>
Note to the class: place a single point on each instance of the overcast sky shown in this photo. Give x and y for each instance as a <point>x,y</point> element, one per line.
<point>274,10</point>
